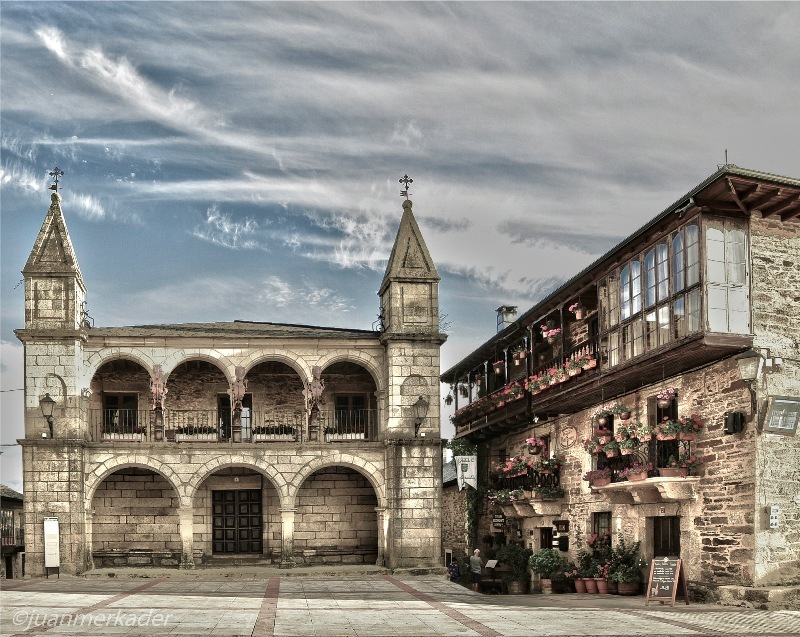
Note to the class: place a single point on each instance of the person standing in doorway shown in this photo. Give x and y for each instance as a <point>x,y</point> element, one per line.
<point>475,567</point>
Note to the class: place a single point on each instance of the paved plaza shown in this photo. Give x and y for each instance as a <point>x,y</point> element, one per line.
<point>370,605</point>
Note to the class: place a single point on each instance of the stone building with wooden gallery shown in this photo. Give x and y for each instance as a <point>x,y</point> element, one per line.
<point>175,445</point>
<point>688,324</point>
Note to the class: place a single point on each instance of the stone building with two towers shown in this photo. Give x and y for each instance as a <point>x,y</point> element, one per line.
<point>176,445</point>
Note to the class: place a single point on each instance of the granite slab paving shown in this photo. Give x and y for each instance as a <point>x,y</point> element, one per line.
<point>369,605</point>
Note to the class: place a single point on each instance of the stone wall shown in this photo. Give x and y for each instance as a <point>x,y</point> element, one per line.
<point>135,509</point>
<point>454,521</point>
<point>776,296</point>
<point>335,518</point>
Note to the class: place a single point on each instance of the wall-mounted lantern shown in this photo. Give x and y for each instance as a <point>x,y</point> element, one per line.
<point>46,404</point>
<point>419,410</point>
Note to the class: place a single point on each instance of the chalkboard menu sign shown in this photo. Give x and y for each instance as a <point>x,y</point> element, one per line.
<point>666,581</point>
<point>499,521</point>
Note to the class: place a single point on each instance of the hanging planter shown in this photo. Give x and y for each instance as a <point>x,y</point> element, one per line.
<point>578,310</point>
<point>463,391</point>
<point>498,367</point>
<point>448,400</point>
<point>665,397</point>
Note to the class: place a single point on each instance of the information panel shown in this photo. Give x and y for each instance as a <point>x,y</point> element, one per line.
<point>666,581</point>
<point>52,556</point>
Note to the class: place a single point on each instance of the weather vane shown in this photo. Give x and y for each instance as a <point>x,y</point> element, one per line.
<point>55,174</point>
<point>405,181</point>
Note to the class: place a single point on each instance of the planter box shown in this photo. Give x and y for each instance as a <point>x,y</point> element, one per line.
<point>127,437</point>
<point>273,438</point>
<point>196,437</point>
<point>351,436</point>
<point>674,472</point>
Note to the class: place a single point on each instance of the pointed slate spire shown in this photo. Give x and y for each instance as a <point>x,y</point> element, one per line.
<point>54,287</point>
<point>410,258</point>
<point>410,288</point>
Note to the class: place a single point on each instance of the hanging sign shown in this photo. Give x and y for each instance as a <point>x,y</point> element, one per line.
<point>52,556</point>
<point>467,471</point>
<point>666,581</point>
<point>499,521</point>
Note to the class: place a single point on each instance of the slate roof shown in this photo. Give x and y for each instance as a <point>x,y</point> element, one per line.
<point>449,473</point>
<point>234,329</point>
<point>8,493</point>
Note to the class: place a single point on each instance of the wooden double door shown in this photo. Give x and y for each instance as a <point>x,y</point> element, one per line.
<point>237,525</point>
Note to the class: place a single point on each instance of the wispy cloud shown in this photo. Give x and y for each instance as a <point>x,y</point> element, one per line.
<point>14,174</point>
<point>220,229</point>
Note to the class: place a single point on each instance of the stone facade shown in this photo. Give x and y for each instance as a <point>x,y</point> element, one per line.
<point>719,514</point>
<point>172,445</point>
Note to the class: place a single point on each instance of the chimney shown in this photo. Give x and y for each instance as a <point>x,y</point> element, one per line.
<point>506,315</point>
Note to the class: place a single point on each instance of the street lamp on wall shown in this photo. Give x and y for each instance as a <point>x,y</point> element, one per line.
<point>46,404</point>
<point>750,364</point>
<point>419,410</point>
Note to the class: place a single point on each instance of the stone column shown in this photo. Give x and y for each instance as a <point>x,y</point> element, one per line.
<point>87,524</point>
<point>186,516</point>
<point>380,514</point>
<point>287,538</point>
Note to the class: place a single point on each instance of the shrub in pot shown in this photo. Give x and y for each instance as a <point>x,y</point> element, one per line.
<point>515,557</point>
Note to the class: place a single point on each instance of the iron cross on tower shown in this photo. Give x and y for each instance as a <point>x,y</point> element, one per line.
<point>55,174</point>
<point>405,181</point>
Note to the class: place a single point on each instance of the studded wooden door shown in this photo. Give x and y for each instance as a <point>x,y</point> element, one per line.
<point>237,521</point>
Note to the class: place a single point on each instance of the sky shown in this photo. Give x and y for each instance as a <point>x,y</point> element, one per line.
<point>231,160</point>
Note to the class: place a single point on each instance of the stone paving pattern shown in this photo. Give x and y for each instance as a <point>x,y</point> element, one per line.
<point>373,606</point>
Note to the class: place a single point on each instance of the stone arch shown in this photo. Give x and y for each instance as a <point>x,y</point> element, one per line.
<point>367,361</point>
<point>218,360</point>
<point>106,468</point>
<point>368,469</point>
<point>100,358</point>
<point>220,462</point>
<point>285,356</point>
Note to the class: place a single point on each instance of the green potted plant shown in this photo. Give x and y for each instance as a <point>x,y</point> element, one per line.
<point>549,491</point>
<point>624,566</point>
<point>514,559</point>
<point>628,446</point>
<point>598,477</point>
<point>622,410</point>
<point>546,563</point>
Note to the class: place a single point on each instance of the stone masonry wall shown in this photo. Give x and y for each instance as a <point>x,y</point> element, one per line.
<point>454,534</point>
<point>776,296</point>
<point>336,509</point>
<point>135,509</point>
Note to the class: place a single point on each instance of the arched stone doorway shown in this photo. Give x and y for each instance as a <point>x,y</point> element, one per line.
<point>335,519</point>
<point>237,515</point>
<point>349,408</point>
<point>197,402</point>
<point>274,406</point>
<point>135,520</point>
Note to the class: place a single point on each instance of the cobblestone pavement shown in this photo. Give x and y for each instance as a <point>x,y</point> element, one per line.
<point>369,605</point>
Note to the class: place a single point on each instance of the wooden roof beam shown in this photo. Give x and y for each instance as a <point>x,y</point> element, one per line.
<point>736,199</point>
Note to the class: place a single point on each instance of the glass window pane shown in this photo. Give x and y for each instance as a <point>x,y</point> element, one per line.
<point>662,271</point>
<point>677,262</point>
<point>678,318</point>
<point>613,349</point>
<point>602,299</point>
<point>693,311</point>
<point>651,330</point>
<point>613,300</point>
<point>715,252</point>
<point>638,337</point>
<point>717,309</point>
<point>650,278</point>
<point>636,287</point>
<point>663,324</point>
<point>627,343</point>
<point>625,292</point>
<point>738,311</point>
<point>692,255</point>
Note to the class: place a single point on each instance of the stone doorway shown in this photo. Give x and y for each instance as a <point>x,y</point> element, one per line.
<point>236,521</point>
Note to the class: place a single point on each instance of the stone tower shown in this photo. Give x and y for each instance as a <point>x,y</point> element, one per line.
<point>410,317</point>
<point>53,340</point>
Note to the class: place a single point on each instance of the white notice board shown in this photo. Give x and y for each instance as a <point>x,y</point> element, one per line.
<point>52,557</point>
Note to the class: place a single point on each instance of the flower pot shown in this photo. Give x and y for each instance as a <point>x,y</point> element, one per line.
<point>580,313</point>
<point>573,372</point>
<point>667,436</point>
<point>597,449</point>
<point>625,415</point>
<point>601,482</point>
<point>612,453</point>
<point>580,585</point>
<point>501,403</point>
<point>612,588</point>
<point>535,451</point>
<point>590,364</point>
<point>673,472</point>
<point>604,440</point>
<point>602,420</point>
<point>663,403</point>
<point>546,585</point>
<point>644,437</point>
<point>628,588</point>
<point>685,436</point>
<point>591,585</point>
<point>626,452</point>
<point>636,477</point>
<point>602,585</point>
